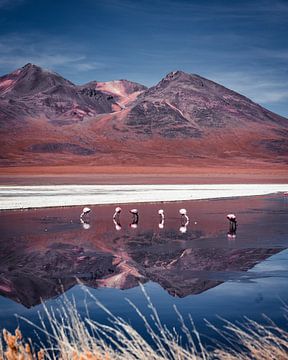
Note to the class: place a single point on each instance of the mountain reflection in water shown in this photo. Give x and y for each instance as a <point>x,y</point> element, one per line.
<point>43,252</point>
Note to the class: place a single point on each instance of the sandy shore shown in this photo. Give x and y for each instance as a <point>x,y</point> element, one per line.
<point>23,197</point>
<point>146,175</point>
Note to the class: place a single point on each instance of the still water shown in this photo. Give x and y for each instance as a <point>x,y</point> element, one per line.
<point>201,268</point>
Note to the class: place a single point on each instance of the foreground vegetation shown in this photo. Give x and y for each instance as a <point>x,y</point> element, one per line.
<point>72,338</point>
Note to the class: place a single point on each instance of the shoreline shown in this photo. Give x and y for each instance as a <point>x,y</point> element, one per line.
<point>144,175</point>
<point>32,197</point>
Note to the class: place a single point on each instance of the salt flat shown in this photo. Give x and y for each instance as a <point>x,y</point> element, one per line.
<point>23,197</point>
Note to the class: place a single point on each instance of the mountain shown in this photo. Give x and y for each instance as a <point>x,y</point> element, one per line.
<point>188,105</point>
<point>182,120</point>
<point>30,80</point>
<point>34,92</point>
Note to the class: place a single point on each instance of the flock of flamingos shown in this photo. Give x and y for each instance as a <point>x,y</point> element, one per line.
<point>135,220</point>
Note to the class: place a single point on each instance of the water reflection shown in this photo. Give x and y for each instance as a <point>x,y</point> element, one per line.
<point>85,224</point>
<point>45,251</point>
<point>231,234</point>
<point>184,224</point>
<point>117,224</point>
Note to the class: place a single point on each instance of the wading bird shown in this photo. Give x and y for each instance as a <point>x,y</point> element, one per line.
<point>84,223</point>
<point>162,218</point>
<point>184,221</point>
<point>116,218</point>
<point>232,223</point>
<point>117,212</point>
<point>85,211</point>
<point>135,213</point>
<point>183,213</point>
<point>135,218</point>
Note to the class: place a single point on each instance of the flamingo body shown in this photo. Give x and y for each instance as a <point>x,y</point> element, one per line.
<point>134,211</point>
<point>231,217</point>
<point>86,210</point>
<point>117,212</point>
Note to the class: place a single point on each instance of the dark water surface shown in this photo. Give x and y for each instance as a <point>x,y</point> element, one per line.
<point>204,271</point>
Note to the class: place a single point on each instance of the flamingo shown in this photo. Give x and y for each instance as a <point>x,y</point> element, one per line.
<point>232,218</point>
<point>117,212</point>
<point>86,225</point>
<point>162,218</point>
<point>135,218</point>
<point>86,210</point>
<point>183,213</point>
<point>232,222</point>
<point>184,217</point>
<point>135,213</point>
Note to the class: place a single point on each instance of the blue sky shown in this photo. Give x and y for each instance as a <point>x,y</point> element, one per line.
<point>240,44</point>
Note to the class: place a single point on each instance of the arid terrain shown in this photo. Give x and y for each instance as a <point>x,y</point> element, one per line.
<point>42,175</point>
<point>184,129</point>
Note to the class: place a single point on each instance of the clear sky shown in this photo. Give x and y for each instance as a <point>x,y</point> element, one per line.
<point>240,44</point>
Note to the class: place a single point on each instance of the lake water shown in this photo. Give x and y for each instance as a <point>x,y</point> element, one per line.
<point>202,268</point>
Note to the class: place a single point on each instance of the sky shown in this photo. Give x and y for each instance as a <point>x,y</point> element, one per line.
<point>242,45</point>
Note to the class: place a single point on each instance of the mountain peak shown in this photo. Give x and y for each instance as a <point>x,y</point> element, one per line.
<point>175,75</point>
<point>179,78</point>
<point>31,68</point>
<point>30,65</point>
<point>30,79</point>
<point>182,75</point>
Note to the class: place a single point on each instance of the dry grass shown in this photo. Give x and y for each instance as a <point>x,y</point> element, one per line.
<point>72,338</point>
<point>17,349</point>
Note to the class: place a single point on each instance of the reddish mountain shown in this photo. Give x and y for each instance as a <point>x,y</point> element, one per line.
<point>183,119</point>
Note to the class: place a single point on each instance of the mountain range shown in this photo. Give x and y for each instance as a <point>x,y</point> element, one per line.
<point>184,119</point>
